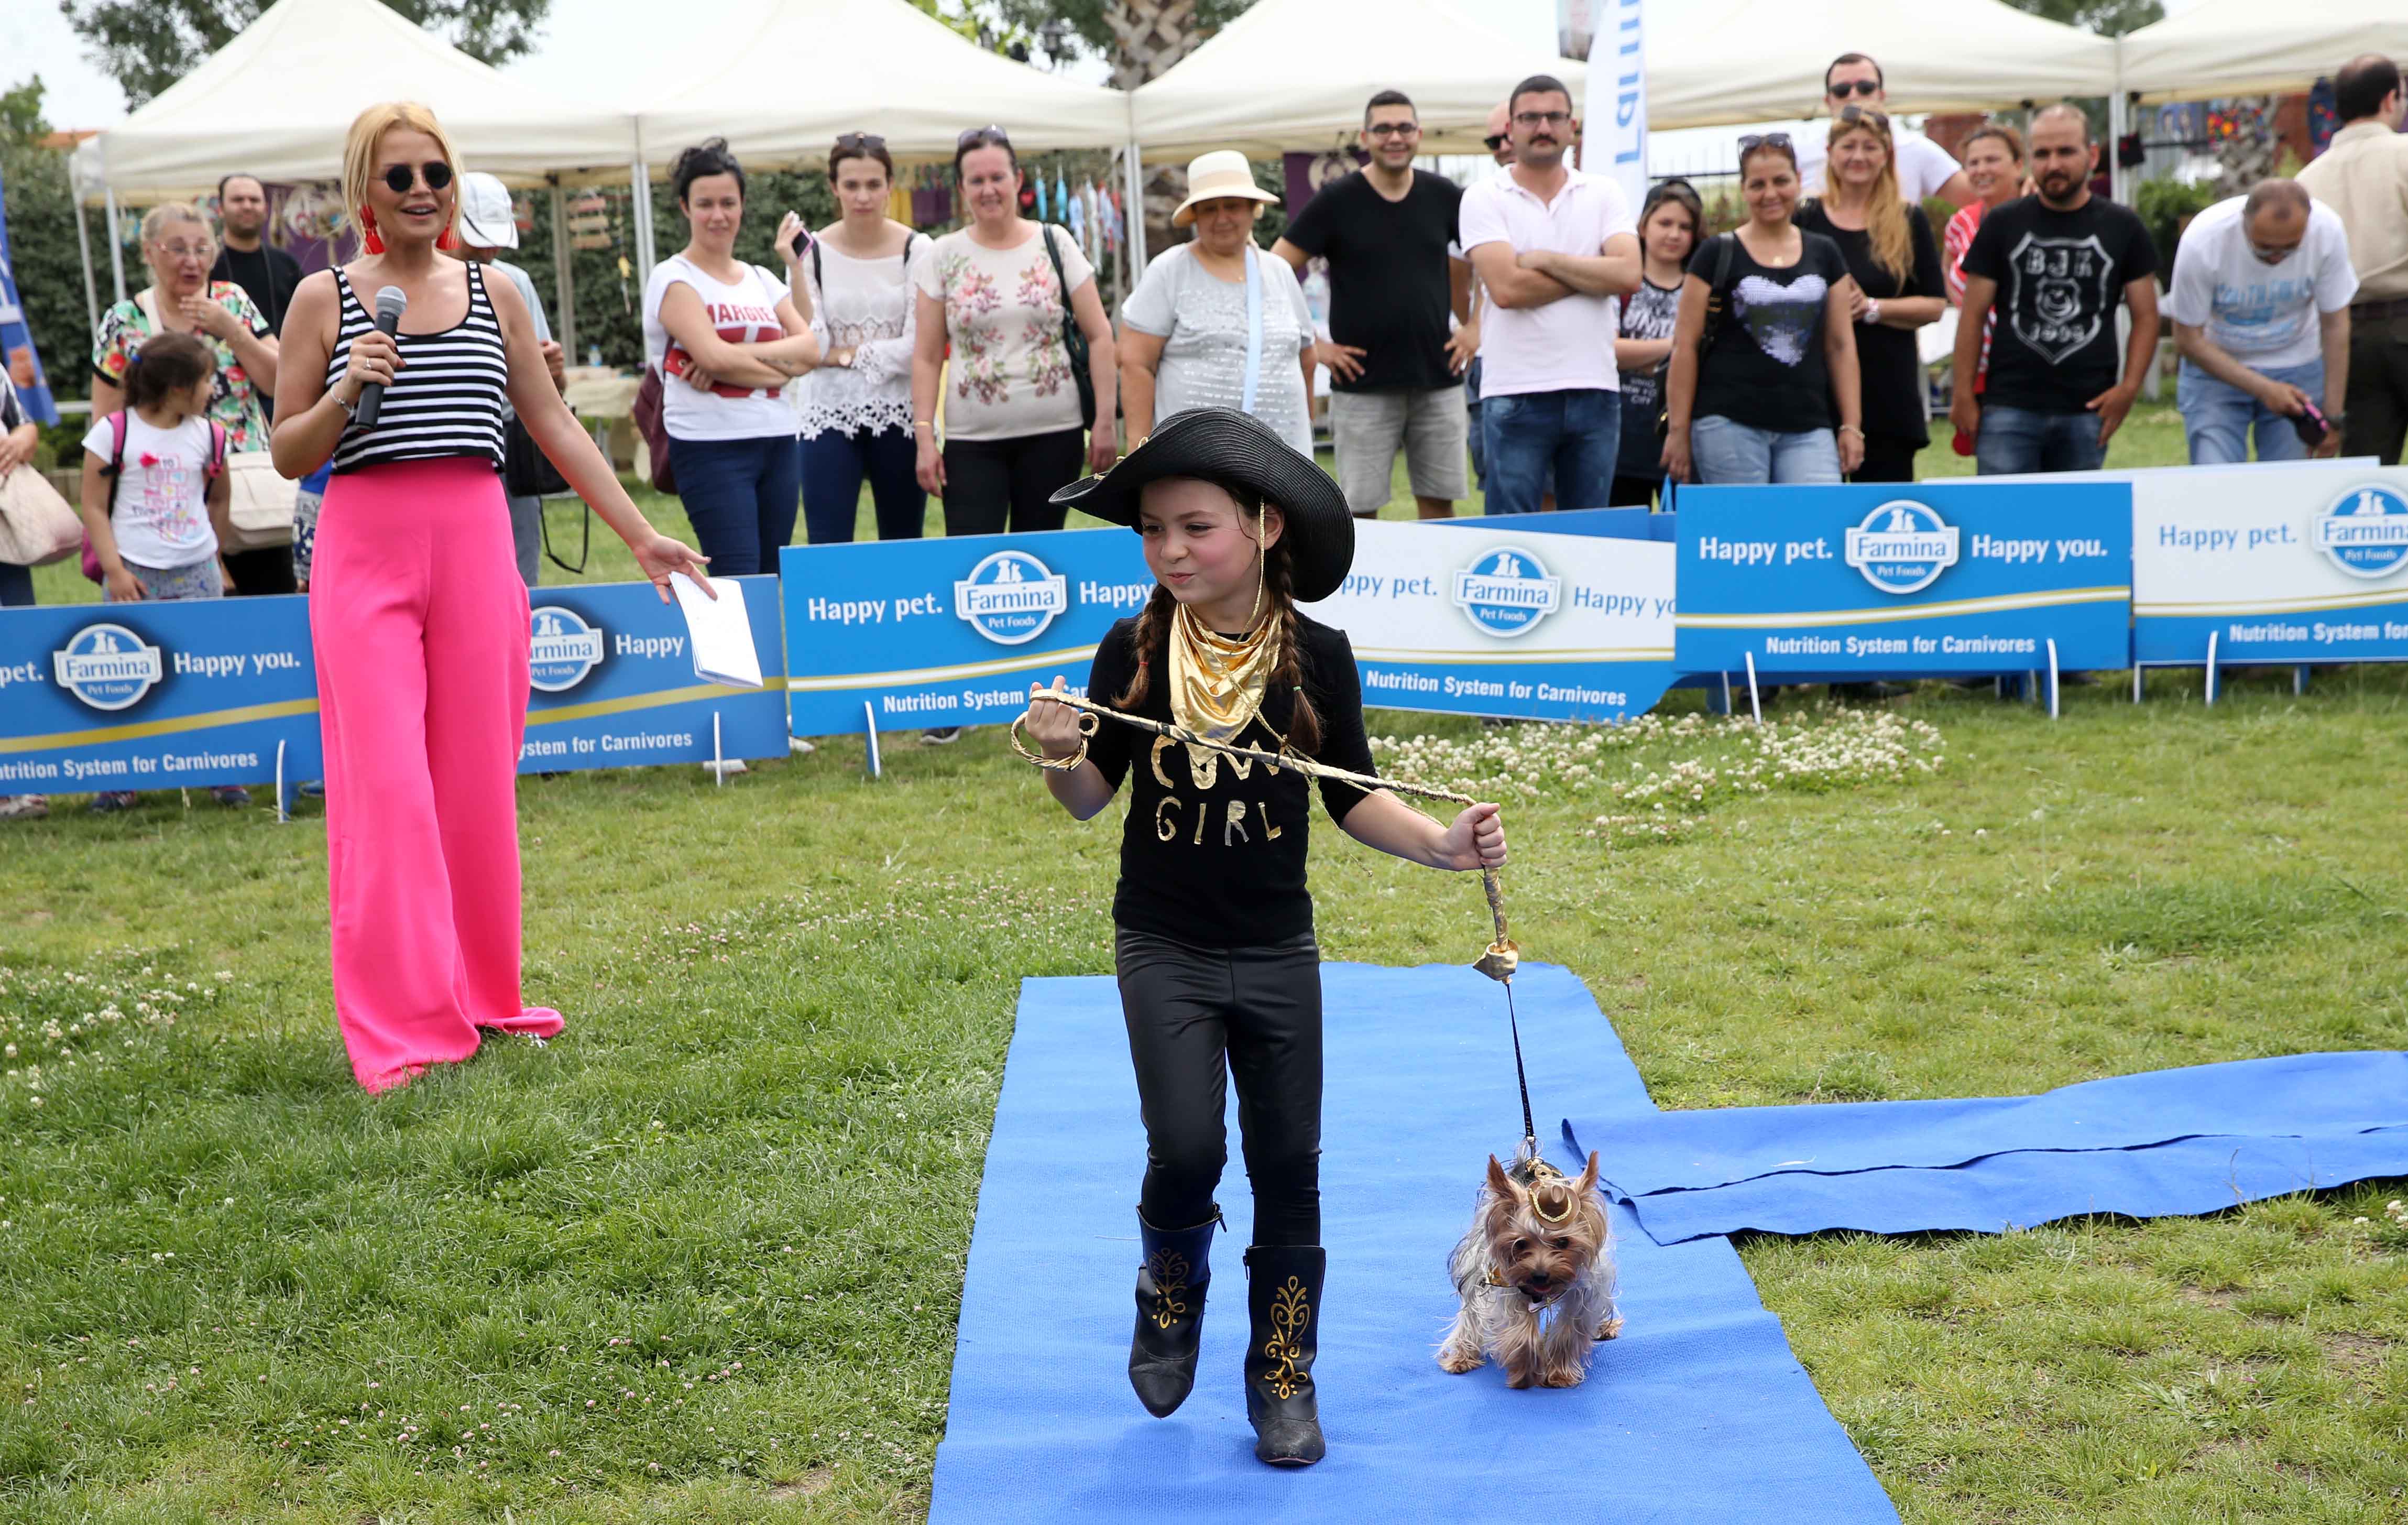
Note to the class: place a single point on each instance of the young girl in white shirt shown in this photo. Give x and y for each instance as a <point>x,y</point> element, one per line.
<point>156,523</point>
<point>155,494</point>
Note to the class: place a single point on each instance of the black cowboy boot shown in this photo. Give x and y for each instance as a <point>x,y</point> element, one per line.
<point>1171,1286</point>
<point>1283,1302</point>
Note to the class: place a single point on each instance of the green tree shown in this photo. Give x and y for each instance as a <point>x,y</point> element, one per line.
<point>42,240</point>
<point>1141,37</point>
<point>2108,17</point>
<point>147,45</point>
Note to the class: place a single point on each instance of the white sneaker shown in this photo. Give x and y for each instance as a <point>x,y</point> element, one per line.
<point>941,736</point>
<point>797,747</point>
<point>728,768</point>
<point>24,807</point>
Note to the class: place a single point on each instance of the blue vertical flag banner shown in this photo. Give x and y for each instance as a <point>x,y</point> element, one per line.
<point>613,683</point>
<point>1483,620</point>
<point>17,352</point>
<point>151,695</point>
<point>2305,563</point>
<point>1614,130</point>
<point>1899,581</point>
<point>949,632</point>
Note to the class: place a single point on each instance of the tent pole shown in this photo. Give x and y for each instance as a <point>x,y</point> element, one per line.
<point>2119,121</point>
<point>116,244</point>
<point>639,212</point>
<point>91,287</point>
<point>563,273</point>
<point>1135,163</point>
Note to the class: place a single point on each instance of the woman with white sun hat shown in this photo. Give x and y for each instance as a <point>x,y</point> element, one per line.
<point>1213,322</point>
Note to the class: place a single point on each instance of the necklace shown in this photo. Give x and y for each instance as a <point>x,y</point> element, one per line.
<point>1217,681</point>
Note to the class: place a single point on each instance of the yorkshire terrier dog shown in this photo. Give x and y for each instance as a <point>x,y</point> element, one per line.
<point>1535,1276</point>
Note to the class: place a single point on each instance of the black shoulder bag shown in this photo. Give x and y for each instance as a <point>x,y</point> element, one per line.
<point>1074,339</point>
<point>1718,308</point>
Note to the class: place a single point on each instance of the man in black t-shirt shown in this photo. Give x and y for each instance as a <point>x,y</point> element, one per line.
<point>245,257</point>
<point>2055,264</point>
<point>1395,370</point>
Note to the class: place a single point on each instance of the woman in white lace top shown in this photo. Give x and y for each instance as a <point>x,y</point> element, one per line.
<point>856,407</point>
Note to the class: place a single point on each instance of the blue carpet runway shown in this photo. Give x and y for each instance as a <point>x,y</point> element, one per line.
<point>1698,1413</point>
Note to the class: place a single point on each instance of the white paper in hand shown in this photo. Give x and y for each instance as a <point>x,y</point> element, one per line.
<point>722,632</point>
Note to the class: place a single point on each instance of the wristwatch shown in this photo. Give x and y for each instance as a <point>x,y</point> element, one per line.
<point>1873,310</point>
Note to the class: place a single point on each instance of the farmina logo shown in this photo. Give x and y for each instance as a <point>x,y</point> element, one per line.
<point>2365,531</point>
<point>1506,592</point>
<point>1902,547</point>
<point>563,651</point>
<point>1010,598</point>
<point>107,667</point>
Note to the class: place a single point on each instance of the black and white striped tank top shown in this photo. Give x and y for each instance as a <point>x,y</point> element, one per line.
<point>449,398</point>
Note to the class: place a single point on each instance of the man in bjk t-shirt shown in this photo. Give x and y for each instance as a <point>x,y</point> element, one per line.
<point>2260,301</point>
<point>1395,373</point>
<point>2054,266</point>
<point>1925,169</point>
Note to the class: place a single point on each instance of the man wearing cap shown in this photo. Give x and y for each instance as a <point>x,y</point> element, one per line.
<point>488,226</point>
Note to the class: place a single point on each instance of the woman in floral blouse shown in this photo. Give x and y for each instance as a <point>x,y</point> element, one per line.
<point>1013,423</point>
<point>182,298</point>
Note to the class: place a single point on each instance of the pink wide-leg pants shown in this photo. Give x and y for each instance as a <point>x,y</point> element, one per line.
<point>420,624</point>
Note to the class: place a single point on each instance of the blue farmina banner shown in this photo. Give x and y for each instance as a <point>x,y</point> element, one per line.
<point>151,695</point>
<point>949,632</point>
<point>1901,580</point>
<point>613,683</point>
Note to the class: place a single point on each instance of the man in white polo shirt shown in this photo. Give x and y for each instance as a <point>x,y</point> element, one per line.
<point>1554,249</point>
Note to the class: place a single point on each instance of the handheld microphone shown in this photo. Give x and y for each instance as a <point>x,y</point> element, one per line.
<point>390,303</point>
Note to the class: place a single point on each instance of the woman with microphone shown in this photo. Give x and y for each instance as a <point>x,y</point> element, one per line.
<point>416,610</point>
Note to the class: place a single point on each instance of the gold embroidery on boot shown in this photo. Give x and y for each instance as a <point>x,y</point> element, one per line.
<point>1290,1313</point>
<point>1169,1269</point>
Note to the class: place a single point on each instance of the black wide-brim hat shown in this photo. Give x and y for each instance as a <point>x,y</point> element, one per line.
<point>1236,450</point>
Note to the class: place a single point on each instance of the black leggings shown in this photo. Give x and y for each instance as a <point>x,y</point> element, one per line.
<point>992,484</point>
<point>1196,1016</point>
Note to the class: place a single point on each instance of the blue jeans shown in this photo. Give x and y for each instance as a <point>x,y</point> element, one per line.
<point>1726,452</point>
<point>16,585</point>
<point>1573,436</point>
<point>2017,442</point>
<point>1479,438</point>
<point>834,464</point>
<point>741,497</point>
<point>2217,417</point>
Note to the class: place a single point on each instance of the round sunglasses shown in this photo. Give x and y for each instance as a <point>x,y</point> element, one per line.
<point>400,178</point>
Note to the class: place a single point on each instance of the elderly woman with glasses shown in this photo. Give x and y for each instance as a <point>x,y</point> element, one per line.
<point>1001,292</point>
<point>1215,323</point>
<point>182,299</point>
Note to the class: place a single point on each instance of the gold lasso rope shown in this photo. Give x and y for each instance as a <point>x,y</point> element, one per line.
<point>1499,961</point>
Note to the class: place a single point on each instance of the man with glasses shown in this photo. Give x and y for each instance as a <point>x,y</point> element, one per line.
<point>1394,371</point>
<point>2260,306</point>
<point>1555,248</point>
<point>1925,169</point>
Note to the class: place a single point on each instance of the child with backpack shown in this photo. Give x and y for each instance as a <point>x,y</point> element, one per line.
<point>155,494</point>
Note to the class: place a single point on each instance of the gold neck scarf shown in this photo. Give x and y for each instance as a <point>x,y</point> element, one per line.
<point>1217,684</point>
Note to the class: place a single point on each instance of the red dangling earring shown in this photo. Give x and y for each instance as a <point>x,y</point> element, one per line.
<point>368,239</point>
<point>446,241</point>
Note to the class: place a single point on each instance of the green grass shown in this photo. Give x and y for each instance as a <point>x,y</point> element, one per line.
<point>728,1209</point>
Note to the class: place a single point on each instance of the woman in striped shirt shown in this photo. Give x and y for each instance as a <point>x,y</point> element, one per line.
<point>416,610</point>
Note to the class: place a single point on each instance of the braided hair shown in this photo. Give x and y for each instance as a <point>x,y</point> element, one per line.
<point>1153,630</point>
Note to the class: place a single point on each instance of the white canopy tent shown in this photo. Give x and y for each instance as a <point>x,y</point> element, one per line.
<point>1294,74</point>
<point>789,78</point>
<point>2234,47</point>
<point>276,100</point>
<point>1716,62</point>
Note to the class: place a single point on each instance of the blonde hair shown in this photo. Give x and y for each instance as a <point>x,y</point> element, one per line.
<point>1885,219</point>
<point>159,218</point>
<point>367,132</point>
